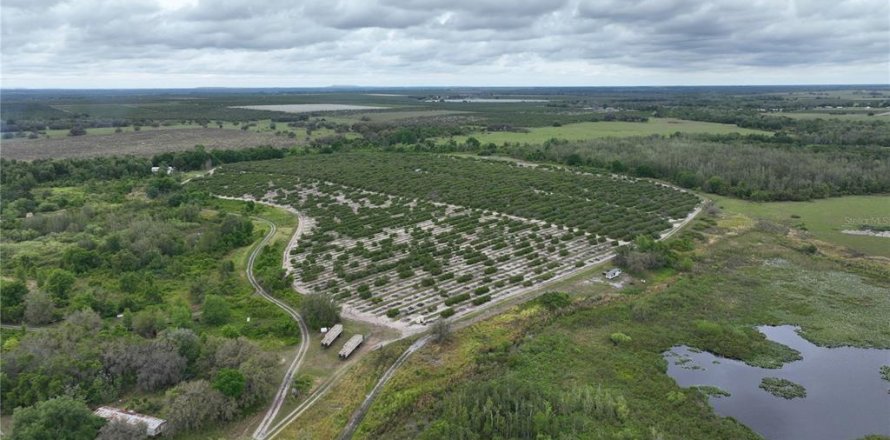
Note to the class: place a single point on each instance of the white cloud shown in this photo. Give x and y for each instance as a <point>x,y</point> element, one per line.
<point>156,43</point>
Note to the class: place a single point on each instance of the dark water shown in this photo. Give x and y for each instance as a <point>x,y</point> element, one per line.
<point>846,397</point>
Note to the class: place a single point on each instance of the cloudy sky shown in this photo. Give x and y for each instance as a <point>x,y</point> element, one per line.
<point>251,43</point>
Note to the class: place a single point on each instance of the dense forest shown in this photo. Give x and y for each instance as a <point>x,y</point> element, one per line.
<point>740,169</point>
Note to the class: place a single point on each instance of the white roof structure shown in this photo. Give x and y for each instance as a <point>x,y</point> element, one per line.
<point>351,345</point>
<point>612,273</point>
<point>331,335</point>
<point>154,425</point>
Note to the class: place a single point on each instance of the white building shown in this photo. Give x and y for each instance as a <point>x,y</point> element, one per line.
<point>153,425</point>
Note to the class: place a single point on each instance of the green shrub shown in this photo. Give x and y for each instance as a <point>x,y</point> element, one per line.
<point>619,338</point>
<point>229,382</point>
<point>554,300</point>
<point>216,310</point>
<point>481,300</point>
<point>783,388</point>
<point>457,299</point>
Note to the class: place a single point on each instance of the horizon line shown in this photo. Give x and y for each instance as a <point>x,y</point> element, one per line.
<point>359,87</point>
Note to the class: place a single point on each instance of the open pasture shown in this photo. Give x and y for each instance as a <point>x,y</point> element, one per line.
<point>139,143</point>
<point>876,115</point>
<point>826,219</point>
<point>389,241</point>
<point>308,108</point>
<point>604,129</point>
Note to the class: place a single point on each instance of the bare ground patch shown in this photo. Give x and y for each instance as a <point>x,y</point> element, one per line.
<point>145,143</point>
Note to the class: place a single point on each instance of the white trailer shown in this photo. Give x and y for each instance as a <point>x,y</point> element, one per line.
<point>351,345</point>
<point>332,335</point>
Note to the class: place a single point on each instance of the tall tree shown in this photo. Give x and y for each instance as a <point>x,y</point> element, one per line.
<point>60,418</point>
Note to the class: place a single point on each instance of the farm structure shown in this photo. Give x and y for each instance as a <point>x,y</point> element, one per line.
<point>332,335</point>
<point>351,345</point>
<point>405,261</point>
<point>153,425</point>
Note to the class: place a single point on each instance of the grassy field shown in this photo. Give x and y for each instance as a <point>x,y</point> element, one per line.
<point>824,218</point>
<point>880,115</point>
<point>592,130</point>
<point>142,143</point>
<point>328,416</point>
<point>744,277</point>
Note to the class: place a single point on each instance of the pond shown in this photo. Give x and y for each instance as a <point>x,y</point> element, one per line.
<point>846,398</point>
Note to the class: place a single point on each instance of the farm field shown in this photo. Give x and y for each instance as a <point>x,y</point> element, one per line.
<point>406,254</point>
<point>826,218</point>
<point>552,347</point>
<point>604,129</point>
<point>308,108</point>
<point>141,143</point>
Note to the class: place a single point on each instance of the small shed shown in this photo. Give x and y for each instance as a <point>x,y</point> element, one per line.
<point>613,273</point>
<point>351,345</point>
<point>332,335</point>
<point>153,425</point>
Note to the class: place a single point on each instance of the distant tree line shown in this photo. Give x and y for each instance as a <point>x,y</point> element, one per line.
<point>739,169</point>
<point>201,158</point>
<point>824,131</point>
<point>18,177</point>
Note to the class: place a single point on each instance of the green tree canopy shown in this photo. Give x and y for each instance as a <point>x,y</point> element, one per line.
<point>320,311</point>
<point>60,418</point>
<point>216,310</point>
<point>230,382</point>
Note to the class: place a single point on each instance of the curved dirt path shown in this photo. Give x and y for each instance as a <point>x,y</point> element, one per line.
<point>261,430</point>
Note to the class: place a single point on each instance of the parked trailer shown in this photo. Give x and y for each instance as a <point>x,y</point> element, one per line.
<point>332,335</point>
<point>351,345</point>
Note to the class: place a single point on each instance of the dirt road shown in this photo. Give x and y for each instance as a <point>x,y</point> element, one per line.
<point>261,430</point>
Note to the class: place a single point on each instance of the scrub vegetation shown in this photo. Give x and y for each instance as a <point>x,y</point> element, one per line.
<point>139,284</point>
<point>753,277</point>
<point>783,388</point>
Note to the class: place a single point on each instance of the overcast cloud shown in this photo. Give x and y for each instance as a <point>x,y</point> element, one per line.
<point>182,43</point>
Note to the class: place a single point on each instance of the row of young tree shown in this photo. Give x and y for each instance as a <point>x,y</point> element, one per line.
<point>602,205</point>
